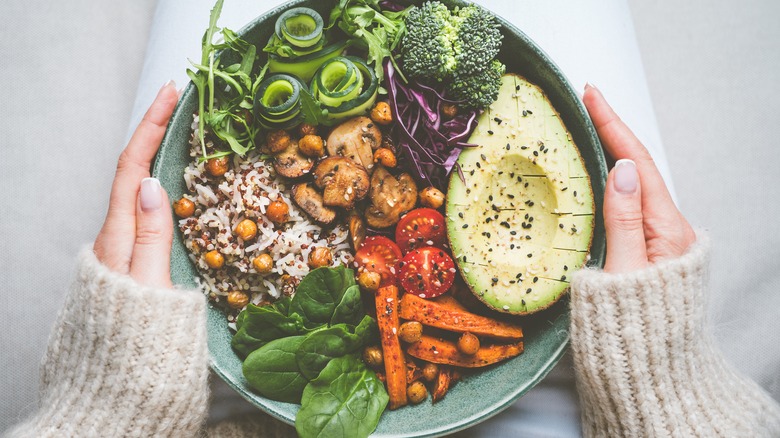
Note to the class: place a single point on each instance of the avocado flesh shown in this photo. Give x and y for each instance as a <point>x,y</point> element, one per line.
<point>523,221</point>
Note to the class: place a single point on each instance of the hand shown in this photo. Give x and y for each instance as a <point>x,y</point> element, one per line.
<point>137,235</point>
<point>643,224</point>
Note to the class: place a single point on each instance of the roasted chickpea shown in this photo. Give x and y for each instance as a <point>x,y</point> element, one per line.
<point>277,141</point>
<point>449,110</point>
<point>372,356</point>
<point>214,259</point>
<point>311,145</point>
<point>320,257</point>
<point>217,166</point>
<point>381,113</point>
<point>468,344</point>
<point>184,208</point>
<point>416,392</point>
<point>385,157</point>
<point>410,331</point>
<point>263,263</point>
<point>246,229</point>
<point>305,129</point>
<point>430,372</point>
<point>278,211</point>
<point>431,197</point>
<point>369,280</point>
<point>237,299</point>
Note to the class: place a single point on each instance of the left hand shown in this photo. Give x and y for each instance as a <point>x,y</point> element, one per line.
<point>137,235</point>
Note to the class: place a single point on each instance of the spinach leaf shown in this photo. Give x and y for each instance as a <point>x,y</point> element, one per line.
<point>272,370</point>
<point>346,399</point>
<point>260,325</point>
<point>350,309</point>
<point>318,294</point>
<point>322,346</point>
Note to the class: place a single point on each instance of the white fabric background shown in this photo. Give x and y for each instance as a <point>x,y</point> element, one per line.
<point>72,70</point>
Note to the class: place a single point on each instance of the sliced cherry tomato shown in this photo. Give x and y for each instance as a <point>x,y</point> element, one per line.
<point>427,272</point>
<point>421,227</point>
<point>381,255</point>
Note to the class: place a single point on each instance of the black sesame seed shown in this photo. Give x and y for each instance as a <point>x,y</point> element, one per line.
<point>564,189</point>
<point>465,225</point>
<point>497,120</point>
<point>512,246</point>
<point>565,268</point>
<point>490,132</point>
<point>522,302</point>
<point>523,147</point>
<point>507,146</point>
<point>536,153</point>
<point>530,255</point>
<point>513,232</point>
<point>517,88</point>
<point>528,291</point>
<point>490,197</point>
<point>536,279</point>
<point>478,166</point>
<point>495,279</point>
<point>525,113</point>
<point>530,112</point>
<point>560,225</point>
<point>563,278</point>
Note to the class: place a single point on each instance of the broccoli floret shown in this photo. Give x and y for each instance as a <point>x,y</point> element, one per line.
<point>477,90</point>
<point>427,48</point>
<point>478,40</point>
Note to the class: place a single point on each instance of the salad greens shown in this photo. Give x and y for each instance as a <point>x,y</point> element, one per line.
<point>288,346</point>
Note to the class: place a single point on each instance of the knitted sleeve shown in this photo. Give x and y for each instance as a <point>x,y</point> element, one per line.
<point>123,360</point>
<point>645,364</point>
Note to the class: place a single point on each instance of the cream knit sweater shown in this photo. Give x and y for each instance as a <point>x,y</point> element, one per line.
<point>126,360</point>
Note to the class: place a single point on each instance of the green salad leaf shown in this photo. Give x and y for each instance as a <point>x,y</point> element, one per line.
<point>346,399</point>
<point>273,370</point>
<point>318,294</point>
<point>259,325</point>
<point>321,346</point>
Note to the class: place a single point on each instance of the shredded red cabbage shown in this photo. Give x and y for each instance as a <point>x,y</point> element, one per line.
<point>391,6</point>
<point>429,147</point>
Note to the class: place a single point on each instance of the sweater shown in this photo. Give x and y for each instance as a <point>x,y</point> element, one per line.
<point>121,363</point>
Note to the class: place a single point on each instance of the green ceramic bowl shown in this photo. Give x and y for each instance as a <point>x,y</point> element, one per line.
<point>478,396</point>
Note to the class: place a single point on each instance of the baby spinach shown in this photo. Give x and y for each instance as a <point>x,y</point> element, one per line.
<point>346,399</point>
<point>318,294</point>
<point>321,346</point>
<point>260,325</point>
<point>272,370</point>
<point>350,309</point>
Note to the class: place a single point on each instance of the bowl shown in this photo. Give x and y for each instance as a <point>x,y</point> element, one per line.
<point>480,395</point>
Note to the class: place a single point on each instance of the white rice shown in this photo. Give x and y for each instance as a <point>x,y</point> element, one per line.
<point>244,192</point>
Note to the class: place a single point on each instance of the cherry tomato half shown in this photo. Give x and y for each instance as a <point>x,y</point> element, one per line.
<point>421,227</point>
<point>381,255</point>
<point>427,272</point>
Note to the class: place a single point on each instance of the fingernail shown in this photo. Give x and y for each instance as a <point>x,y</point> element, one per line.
<point>151,194</point>
<point>169,83</point>
<point>626,177</point>
<point>588,86</point>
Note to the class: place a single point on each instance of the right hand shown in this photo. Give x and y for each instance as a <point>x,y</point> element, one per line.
<point>643,224</point>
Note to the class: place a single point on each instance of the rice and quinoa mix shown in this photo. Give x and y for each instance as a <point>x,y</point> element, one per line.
<point>244,192</point>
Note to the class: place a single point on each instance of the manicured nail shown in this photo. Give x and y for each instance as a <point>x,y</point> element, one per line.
<point>626,177</point>
<point>588,86</point>
<point>151,194</point>
<point>168,84</point>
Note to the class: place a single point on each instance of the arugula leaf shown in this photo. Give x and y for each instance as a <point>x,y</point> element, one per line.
<point>312,113</point>
<point>347,397</point>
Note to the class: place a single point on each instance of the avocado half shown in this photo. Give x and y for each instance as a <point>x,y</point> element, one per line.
<point>522,221</point>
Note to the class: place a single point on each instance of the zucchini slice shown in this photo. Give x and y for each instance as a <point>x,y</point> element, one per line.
<point>363,102</point>
<point>278,101</point>
<point>338,80</point>
<point>305,66</point>
<point>301,27</point>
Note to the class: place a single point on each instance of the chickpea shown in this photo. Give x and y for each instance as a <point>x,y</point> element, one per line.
<point>430,372</point>
<point>246,229</point>
<point>237,299</point>
<point>468,344</point>
<point>416,392</point>
<point>278,211</point>
<point>311,145</point>
<point>217,166</point>
<point>410,331</point>
<point>431,197</point>
<point>184,208</point>
<point>385,157</point>
<point>214,259</point>
<point>277,141</point>
<point>372,356</point>
<point>381,113</point>
<point>263,263</point>
<point>369,280</point>
<point>320,257</point>
<point>449,110</point>
<point>305,129</point>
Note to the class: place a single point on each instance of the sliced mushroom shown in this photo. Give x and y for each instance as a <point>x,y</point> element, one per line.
<point>291,163</point>
<point>343,182</point>
<point>310,201</point>
<point>356,139</point>
<point>357,231</point>
<point>390,198</point>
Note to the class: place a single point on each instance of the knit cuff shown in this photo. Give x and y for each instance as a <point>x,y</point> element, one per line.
<point>125,359</point>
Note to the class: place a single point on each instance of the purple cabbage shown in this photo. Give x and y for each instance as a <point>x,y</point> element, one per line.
<point>429,147</point>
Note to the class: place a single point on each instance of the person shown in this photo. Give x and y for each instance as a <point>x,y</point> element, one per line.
<point>128,354</point>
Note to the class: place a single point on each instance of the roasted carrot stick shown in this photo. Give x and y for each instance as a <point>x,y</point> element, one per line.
<point>441,351</point>
<point>395,362</point>
<point>449,316</point>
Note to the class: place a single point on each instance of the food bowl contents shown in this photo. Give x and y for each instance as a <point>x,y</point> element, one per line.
<point>353,173</point>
